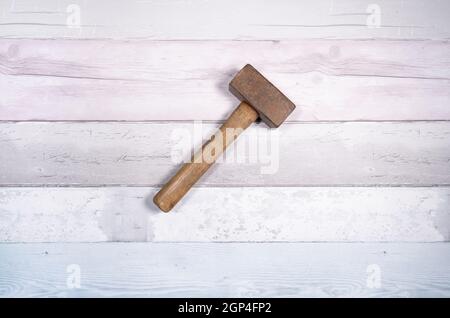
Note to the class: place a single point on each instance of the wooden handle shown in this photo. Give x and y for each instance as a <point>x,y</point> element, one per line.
<point>243,116</point>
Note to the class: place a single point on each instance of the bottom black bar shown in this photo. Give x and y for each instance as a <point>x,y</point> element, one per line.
<point>211,307</point>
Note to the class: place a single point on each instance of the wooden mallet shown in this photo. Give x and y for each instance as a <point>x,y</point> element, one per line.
<point>259,99</point>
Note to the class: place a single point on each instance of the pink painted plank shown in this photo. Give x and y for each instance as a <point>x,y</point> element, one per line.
<point>187,80</point>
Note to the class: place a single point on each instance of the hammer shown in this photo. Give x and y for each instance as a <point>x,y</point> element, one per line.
<point>259,99</point>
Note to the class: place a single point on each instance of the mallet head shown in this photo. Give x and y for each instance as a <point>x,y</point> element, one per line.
<point>253,88</point>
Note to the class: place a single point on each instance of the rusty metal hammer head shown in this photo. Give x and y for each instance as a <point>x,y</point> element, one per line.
<point>253,88</point>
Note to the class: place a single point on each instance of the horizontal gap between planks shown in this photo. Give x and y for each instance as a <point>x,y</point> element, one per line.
<point>187,121</point>
<point>108,185</point>
<point>230,242</point>
<point>153,39</point>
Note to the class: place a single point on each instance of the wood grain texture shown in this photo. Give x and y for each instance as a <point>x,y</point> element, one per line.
<point>353,153</point>
<point>225,270</point>
<point>243,19</point>
<point>226,215</point>
<point>185,80</point>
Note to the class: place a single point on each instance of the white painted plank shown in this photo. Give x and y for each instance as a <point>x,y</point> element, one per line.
<point>188,80</point>
<point>226,215</point>
<point>352,153</point>
<point>225,270</point>
<point>215,19</point>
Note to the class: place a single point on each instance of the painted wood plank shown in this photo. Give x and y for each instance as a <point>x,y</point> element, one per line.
<point>215,19</point>
<point>226,215</point>
<point>225,270</point>
<point>352,153</point>
<point>185,80</point>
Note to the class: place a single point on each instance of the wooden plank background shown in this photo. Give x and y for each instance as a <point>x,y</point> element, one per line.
<point>185,80</point>
<point>226,270</point>
<point>254,214</point>
<point>146,154</point>
<point>219,20</point>
<point>94,97</point>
